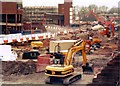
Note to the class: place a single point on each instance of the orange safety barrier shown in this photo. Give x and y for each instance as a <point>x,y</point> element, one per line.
<point>50,36</point>
<point>33,38</point>
<point>40,37</point>
<point>21,39</point>
<point>61,32</point>
<point>14,40</point>
<point>5,41</point>
<point>27,39</point>
<point>46,36</point>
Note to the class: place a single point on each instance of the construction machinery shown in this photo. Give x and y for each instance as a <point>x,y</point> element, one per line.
<point>64,73</point>
<point>93,44</point>
<point>36,44</point>
<point>107,23</point>
<point>33,54</point>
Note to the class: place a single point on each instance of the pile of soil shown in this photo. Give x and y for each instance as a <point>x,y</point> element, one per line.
<point>18,67</point>
<point>106,50</point>
<point>109,75</point>
<point>97,62</point>
<point>100,62</point>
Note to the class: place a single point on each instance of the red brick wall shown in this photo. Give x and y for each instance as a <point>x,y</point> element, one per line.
<point>0,7</point>
<point>9,7</point>
<point>67,6</point>
<point>60,8</point>
<point>64,9</point>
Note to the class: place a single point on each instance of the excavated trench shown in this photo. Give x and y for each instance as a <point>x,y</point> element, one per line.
<point>109,75</point>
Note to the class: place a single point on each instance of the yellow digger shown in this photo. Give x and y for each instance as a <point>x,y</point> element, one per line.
<point>36,44</point>
<point>63,72</point>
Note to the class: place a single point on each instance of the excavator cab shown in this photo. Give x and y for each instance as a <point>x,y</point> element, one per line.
<point>59,58</point>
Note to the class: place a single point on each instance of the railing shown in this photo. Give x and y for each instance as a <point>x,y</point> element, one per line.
<point>22,38</point>
<point>53,30</point>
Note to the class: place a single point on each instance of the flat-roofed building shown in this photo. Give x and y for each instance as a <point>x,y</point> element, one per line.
<point>11,16</point>
<point>67,10</point>
<point>36,13</point>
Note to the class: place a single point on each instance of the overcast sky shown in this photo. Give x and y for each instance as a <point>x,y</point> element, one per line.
<point>109,3</point>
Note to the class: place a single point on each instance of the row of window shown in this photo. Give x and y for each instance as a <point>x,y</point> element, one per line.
<point>40,9</point>
<point>39,12</point>
<point>36,17</point>
<point>10,29</point>
<point>11,18</point>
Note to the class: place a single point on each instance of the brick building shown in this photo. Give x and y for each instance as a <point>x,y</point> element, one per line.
<point>66,10</point>
<point>51,14</point>
<point>36,13</point>
<point>11,17</point>
<point>34,17</point>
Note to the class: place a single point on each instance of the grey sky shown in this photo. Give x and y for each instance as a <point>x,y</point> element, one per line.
<point>109,3</point>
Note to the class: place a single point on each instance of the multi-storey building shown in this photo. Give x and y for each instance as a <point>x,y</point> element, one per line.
<point>67,10</point>
<point>63,15</point>
<point>11,16</point>
<point>35,17</point>
<point>36,13</point>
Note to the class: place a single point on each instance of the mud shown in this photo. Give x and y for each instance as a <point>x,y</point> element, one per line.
<point>18,67</point>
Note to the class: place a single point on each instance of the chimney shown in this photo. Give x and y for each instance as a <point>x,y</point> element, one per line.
<point>67,0</point>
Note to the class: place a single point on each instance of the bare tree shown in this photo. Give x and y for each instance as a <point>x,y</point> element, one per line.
<point>92,7</point>
<point>113,10</point>
<point>103,9</point>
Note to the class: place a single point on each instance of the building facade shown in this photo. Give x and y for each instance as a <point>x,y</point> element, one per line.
<point>67,10</point>
<point>63,15</point>
<point>36,13</point>
<point>57,19</point>
<point>35,17</point>
<point>11,17</point>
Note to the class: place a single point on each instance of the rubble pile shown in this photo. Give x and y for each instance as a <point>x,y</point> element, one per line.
<point>18,67</point>
<point>100,62</point>
<point>109,75</point>
<point>106,50</point>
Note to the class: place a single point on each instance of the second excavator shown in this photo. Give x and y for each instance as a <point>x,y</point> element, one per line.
<point>64,72</point>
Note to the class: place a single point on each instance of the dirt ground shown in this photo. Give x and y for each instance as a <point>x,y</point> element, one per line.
<point>24,72</point>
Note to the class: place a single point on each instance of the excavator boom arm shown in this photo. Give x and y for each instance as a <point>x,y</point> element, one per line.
<point>78,46</point>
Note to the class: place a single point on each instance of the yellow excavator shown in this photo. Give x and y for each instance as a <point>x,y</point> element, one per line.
<point>63,73</point>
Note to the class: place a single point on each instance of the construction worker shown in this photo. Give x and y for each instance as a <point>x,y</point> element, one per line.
<point>57,47</point>
<point>57,56</point>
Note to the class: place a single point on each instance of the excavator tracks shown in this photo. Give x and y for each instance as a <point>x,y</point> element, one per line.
<point>73,78</point>
<point>66,80</point>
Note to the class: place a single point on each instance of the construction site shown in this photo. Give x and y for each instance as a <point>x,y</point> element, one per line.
<point>31,70</point>
<point>83,53</point>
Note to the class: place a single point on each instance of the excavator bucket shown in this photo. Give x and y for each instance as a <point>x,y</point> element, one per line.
<point>87,69</point>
